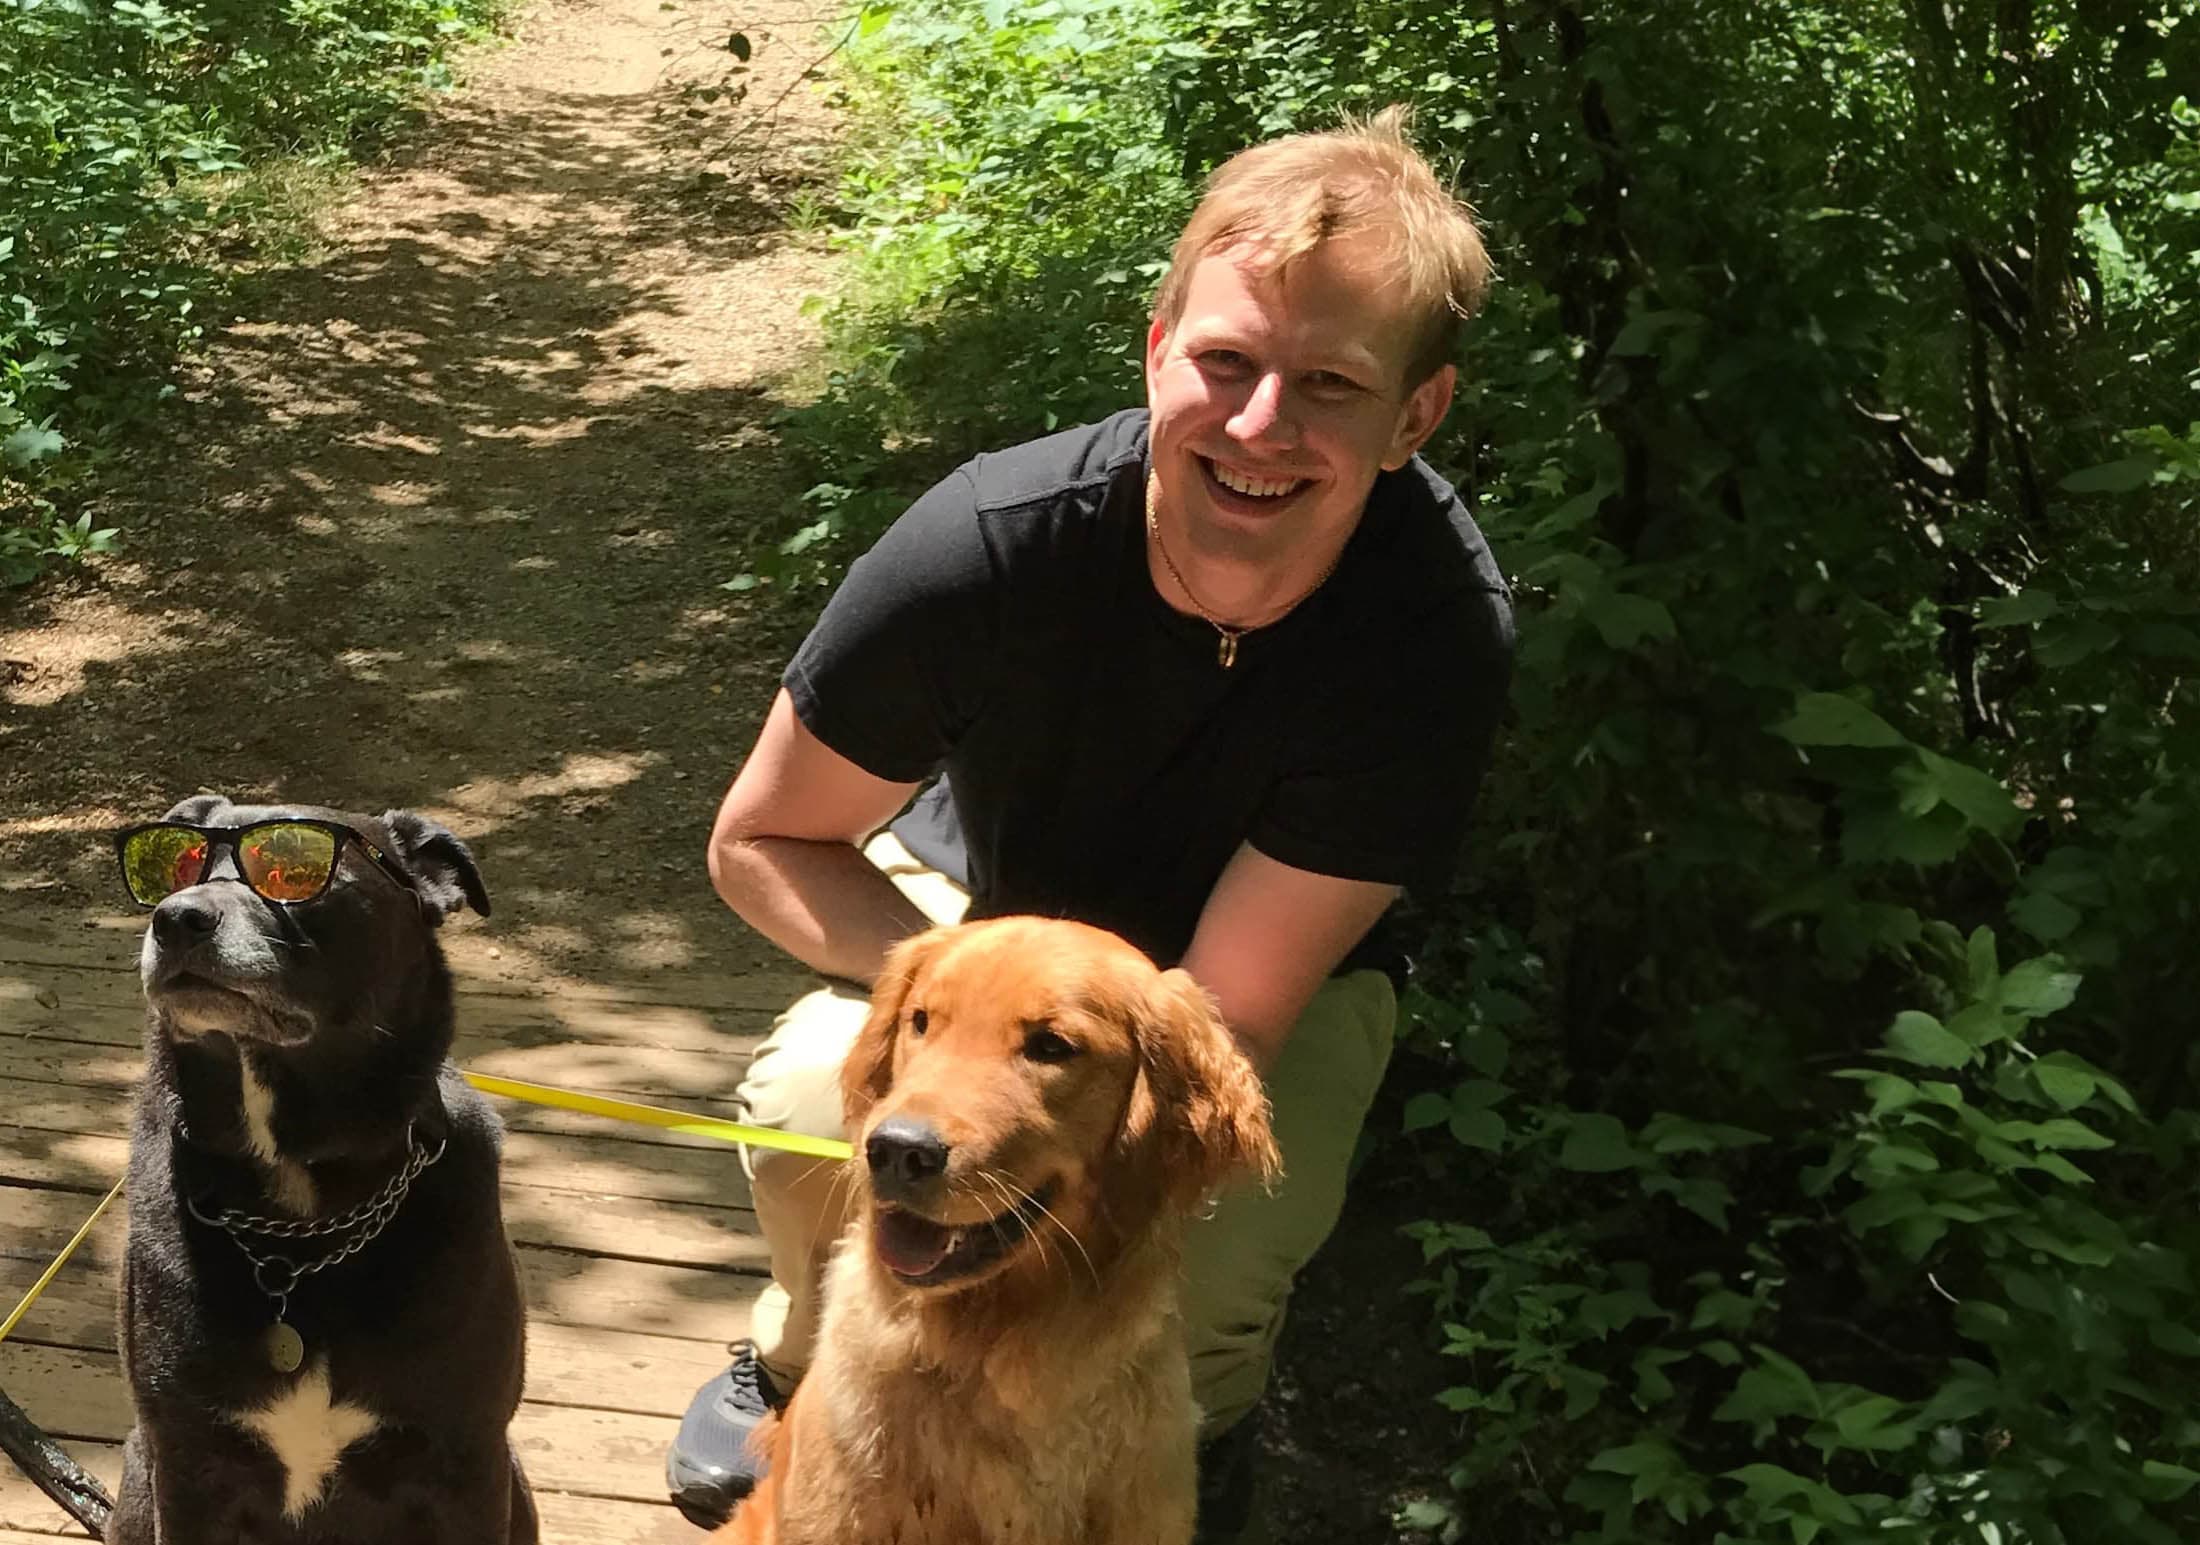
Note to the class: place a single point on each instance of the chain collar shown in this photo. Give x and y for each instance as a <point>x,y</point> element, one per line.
<point>277,1274</point>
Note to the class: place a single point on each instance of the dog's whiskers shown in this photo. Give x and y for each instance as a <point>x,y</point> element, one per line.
<point>1008,1194</point>
<point>1066,1231</point>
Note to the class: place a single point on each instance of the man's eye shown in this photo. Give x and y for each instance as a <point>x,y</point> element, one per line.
<point>1227,362</point>
<point>1046,1046</point>
<point>1330,383</point>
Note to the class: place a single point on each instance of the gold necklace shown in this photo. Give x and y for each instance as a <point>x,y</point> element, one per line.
<point>1226,646</point>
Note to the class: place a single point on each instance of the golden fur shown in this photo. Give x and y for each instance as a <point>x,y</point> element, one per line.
<point>1043,1398</point>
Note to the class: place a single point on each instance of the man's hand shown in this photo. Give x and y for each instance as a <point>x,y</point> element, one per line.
<point>784,852</point>
<point>1268,938</point>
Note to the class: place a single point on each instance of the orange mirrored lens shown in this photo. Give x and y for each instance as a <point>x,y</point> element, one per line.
<point>163,860</point>
<point>287,863</point>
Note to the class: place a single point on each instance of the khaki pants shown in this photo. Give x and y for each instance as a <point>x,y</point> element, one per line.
<point>1240,1259</point>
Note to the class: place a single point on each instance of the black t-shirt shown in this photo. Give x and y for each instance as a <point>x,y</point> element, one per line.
<point>1099,762</point>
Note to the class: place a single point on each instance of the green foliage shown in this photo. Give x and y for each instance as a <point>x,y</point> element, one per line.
<point>127,139</point>
<point>1800,1079</point>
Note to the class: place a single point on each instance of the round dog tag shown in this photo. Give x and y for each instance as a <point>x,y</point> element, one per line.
<point>286,1349</point>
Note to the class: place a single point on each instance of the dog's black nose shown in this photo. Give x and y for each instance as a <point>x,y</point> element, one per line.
<point>184,919</point>
<point>903,1154</point>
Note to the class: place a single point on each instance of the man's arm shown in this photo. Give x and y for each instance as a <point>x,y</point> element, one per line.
<point>1268,938</point>
<point>784,854</point>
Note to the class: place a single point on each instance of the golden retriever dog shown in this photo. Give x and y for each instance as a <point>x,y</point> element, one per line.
<point>1036,1110</point>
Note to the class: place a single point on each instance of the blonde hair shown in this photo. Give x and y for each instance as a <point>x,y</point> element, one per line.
<point>1284,198</point>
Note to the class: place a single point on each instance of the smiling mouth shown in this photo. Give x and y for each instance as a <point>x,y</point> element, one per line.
<point>922,1253</point>
<point>1246,486</point>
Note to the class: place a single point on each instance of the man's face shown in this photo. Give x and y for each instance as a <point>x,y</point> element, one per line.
<point>1276,400</point>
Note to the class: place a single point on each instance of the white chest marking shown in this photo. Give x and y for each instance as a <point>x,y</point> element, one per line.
<point>308,1433</point>
<point>293,1186</point>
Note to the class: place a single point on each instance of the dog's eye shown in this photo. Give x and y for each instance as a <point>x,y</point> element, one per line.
<point>1043,1045</point>
<point>917,1022</point>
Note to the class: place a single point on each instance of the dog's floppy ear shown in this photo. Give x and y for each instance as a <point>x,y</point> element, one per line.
<point>869,1071</point>
<point>1199,1101</point>
<point>448,876</point>
<point>195,809</point>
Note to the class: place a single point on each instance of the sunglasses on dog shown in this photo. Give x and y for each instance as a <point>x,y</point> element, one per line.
<point>286,861</point>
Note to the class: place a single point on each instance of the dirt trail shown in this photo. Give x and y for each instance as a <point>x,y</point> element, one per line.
<point>441,520</point>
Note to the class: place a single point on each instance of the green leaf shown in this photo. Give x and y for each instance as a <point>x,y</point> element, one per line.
<point>1981,799</point>
<point>1918,1037</point>
<point>31,444</point>
<point>874,17</point>
<point>2113,477</point>
<point>1828,719</point>
<point>2166,1482</point>
<point>1982,961</point>
<point>1427,1110</point>
<point>1603,1313</point>
<point>1623,621</point>
<point>1483,1129</point>
<point>1596,1145</point>
<point>2038,987</point>
<point>1424,1514</point>
<point>1647,1456</point>
<point>2178,1340</point>
<point>1478,1094</point>
<point>1874,1423</point>
<point>2065,642</point>
<point>2034,604</point>
<point>2066,1086</point>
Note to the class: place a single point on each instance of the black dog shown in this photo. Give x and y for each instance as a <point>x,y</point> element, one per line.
<point>321,1316</point>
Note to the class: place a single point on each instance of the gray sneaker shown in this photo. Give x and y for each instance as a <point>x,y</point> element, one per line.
<point>709,1468</point>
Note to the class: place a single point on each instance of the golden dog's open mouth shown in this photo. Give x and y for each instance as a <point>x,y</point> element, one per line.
<point>923,1253</point>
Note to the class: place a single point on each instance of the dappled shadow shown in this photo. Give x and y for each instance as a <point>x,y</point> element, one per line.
<point>443,526</point>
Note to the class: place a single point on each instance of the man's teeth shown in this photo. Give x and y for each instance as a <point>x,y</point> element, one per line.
<point>1255,487</point>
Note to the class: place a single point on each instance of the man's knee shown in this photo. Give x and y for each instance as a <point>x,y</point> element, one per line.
<point>793,1082</point>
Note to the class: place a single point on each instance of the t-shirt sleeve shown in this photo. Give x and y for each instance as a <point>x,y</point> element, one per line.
<point>1385,784</point>
<point>896,667</point>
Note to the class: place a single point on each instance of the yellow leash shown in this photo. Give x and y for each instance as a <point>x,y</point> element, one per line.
<point>658,1116</point>
<point>59,1261</point>
<point>532,1094</point>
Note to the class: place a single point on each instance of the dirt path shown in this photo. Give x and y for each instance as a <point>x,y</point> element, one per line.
<point>442,519</point>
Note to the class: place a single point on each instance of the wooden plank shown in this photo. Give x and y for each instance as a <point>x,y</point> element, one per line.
<point>62,940</point>
<point>104,1110</point>
<point>616,1292</point>
<point>568,1518</point>
<point>77,1003</point>
<point>80,1396</point>
<point>681,1317</point>
<point>690,1080</point>
<point>39,1220</point>
<point>615,1370</point>
<point>589,1166</point>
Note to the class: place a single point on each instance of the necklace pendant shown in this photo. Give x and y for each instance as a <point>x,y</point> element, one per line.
<point>1226,647</point>
<point>285,1348</point>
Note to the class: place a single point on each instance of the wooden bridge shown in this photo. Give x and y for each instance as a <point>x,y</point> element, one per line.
<point>637,1247</point>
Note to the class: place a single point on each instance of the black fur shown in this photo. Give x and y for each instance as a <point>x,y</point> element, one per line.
<point>342,1008</point>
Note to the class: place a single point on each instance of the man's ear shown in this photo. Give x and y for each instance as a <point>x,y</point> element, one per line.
<point>1157,344</point>
<point>447,875</point>
<point>1424,409</point>
<point>869,1071</point>
<point>1208,1111</point>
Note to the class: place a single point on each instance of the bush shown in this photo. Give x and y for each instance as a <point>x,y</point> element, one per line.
<point>1811,1003</point>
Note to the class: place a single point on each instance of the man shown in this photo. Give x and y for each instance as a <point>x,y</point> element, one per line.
<point>1220,675</point>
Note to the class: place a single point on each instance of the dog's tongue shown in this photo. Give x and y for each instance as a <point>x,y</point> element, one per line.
<point>909,1244</point>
